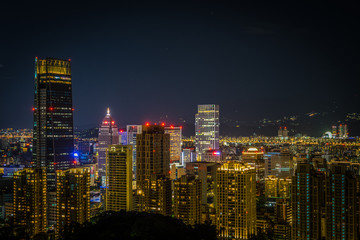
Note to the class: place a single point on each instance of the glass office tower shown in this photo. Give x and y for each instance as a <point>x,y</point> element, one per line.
<point>206,129</point>
<point>53,145</point>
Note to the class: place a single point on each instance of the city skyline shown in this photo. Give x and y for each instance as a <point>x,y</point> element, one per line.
<point>272,152</point>
<point>295,58</point>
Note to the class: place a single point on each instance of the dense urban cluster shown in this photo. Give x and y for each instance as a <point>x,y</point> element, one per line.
<point>280,187</point>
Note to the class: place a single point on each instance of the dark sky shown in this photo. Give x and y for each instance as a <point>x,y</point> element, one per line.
<point>146,59</point>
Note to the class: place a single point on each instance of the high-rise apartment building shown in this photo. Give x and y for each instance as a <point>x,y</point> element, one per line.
<point>153,170</point>
<point>271,187</point>
<point>334,131</point>
<point>73,197</point>
<point>132,131</point>
<point>284,189</point>
<point>342,202</point>
<point>277,187</point>
<point>30,206</point>
<point>119,178</point>
<point>236,201</point>
<point>308,203</point>
<point>108,135</point>
<point>343,131</point>
<point>283,211</point>
<point>187,199</point>
<point>206,129</point>
<point>283,133</point>
<point>175,143</point>
<point>53,139</point>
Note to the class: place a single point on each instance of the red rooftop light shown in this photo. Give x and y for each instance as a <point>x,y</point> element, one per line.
<point>147,124</point>
<point>163,124</point>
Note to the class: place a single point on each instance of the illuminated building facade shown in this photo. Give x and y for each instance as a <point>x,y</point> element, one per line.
<point>342,202</point>
<point>119,178</point>
<point>108,135</point>
<point>187,199</point>
<point>175,143</point>
<point>343,131</point>
<point>277,187</point>
<point>73,197</point>
<point>122,137</point>
<point>278,163</point>
<point>153,170</point>
<point>283,211</point>
<point>187,156</point>
<point>308,203</point>
<point>176,171</point>
<point>271,186</point>
<point>283,133</point>
<point>334,131</point>
<point>206,129</point>
<point>211,156</point>
<point>132,131</point>
<point>236,201</point>
<point>284,189</point>
<point>53,139</point>
<point>30,194</point>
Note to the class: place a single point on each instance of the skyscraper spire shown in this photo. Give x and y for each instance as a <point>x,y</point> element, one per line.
<point>108,111</point>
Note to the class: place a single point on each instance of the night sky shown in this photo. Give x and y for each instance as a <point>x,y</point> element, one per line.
<point>149,59</point>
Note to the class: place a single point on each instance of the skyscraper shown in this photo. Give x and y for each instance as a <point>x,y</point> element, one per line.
<point>53,139</point>
<point>132,131</point>
<point>108,135</point>
<point>206,128</point>
<point>236,201</point>
<point>187,199</point>
<point>119,178</point>
<point>153,170</point>
<point>342,202</point>
<point>30,199</point>
<point>175,143</point>
<point>73,197</point>
<point>308,203</point>
<point>343,131</point>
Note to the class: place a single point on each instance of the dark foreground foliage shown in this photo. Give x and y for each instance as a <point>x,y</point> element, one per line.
<point>138,226</point>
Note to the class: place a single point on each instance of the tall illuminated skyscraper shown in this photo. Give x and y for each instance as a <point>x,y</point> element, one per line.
<point>30,199</point>
<point>308,203</point>
<point>73,197</point>
<point>53,145</point>
<point>342,202</point>
<point>119,178</point>
<point>108,135</point>
<point>187,199</point>
<point>153,170</point>
<point>236,201</point>
<point>132,131</point>
<point>175,143</point>
<point>206,128</point>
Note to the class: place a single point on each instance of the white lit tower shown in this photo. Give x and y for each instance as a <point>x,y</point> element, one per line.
<point>108,135</point>
<point>132,131</point>
<point>206,128</point>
